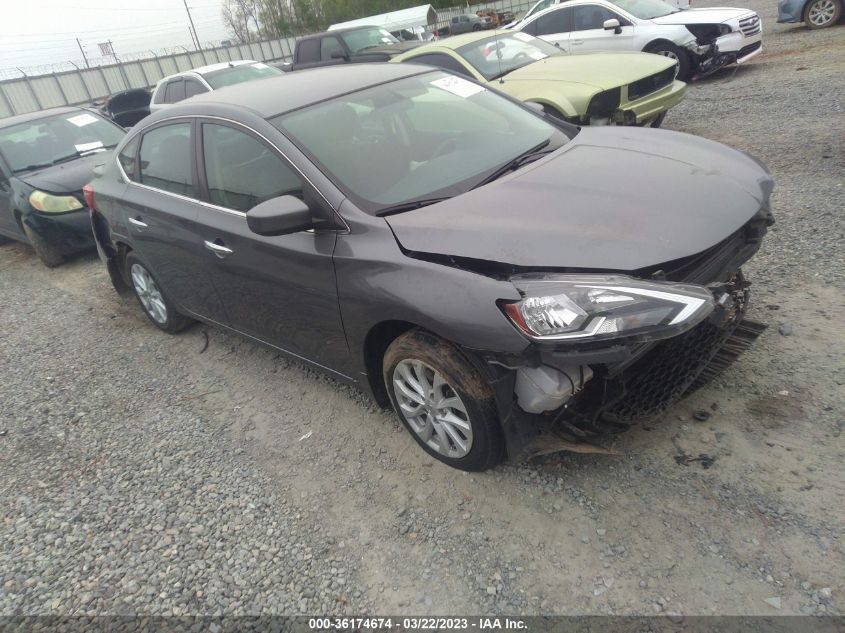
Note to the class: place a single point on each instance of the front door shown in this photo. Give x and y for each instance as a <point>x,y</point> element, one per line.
<point>280,290</point>
<point>589,34</point>
<point>554,27</point>
<point>8,223</point>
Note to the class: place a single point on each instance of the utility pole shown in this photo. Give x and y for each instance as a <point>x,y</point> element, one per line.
<point>84,56</point>
<point>191,20</point>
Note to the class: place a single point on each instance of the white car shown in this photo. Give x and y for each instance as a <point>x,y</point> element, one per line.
<point>701,40</point>
<point>175,88</point>
<point>545,4</point>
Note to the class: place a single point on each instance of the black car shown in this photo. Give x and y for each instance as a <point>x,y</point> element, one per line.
<point>512,284</point>
<point>45,160</point>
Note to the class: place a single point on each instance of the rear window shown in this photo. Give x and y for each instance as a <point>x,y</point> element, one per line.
<point>166,159</point>
<point>238,74</point>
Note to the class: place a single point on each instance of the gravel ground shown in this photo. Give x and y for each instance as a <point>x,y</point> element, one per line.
<point>142,473</point>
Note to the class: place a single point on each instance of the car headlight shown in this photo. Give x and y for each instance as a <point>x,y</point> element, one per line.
<point>598,307</point>
<point>48,203</point>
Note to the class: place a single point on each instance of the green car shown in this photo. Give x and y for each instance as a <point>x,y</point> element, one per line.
<point>623,88</point>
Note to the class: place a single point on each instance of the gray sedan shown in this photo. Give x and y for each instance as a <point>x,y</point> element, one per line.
<point>508,283</point>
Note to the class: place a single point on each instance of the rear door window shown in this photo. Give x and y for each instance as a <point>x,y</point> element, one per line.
<point>193,87</point>
<point>166,161</point>
<point>557,21</point>
<point>127,158</point>
<point>241,171</point>
<point>175,91</point>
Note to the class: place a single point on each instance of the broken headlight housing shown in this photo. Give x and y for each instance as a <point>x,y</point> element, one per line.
<point>599,307</point>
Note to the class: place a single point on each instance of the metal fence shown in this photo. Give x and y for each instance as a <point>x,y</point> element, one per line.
<point>85,85</point>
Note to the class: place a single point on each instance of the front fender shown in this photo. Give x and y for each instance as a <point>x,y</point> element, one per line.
<point>569,99</point>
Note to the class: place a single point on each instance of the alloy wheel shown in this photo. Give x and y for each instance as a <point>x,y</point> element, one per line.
<point>822,12</point>
<point>149,293</point>
<point>432,408</point>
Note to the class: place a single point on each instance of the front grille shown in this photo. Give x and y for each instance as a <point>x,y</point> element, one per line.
<point>750,25</point>
<point>747,50</point>
<point>650,84</point>
<point>681,364</point>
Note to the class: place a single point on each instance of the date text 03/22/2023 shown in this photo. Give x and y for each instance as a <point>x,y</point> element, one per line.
<point>416,624</point>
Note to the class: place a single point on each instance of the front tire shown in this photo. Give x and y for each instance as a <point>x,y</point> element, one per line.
<point>443,401</point>
<point>667,49</point>
<point>47,253</point>
<point>155,304</point>
<point>820,14</point>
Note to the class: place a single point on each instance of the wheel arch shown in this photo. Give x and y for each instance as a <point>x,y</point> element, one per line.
<point>376,342</point>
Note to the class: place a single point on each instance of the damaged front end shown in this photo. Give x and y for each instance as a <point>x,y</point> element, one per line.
<point>576,392</point>
<point>718,45</point>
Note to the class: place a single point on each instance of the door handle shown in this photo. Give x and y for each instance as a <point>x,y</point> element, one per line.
<point>576,42</point>
<point>138,223</point>
<point>218,249</point>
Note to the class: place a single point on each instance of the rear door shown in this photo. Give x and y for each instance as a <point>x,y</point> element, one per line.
<point>589,34</point>
<point>553,26</point>
<point>160,207</point>
<point>280,290</point>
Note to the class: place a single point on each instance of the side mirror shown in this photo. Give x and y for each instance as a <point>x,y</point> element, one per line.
<point>279,216</point>
<point>612,25</point>
<point>340,55</point>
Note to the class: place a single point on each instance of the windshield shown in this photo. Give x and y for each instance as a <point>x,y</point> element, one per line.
<point>238,74</point>
<point>645,9</point>
<point>361,39</point>
<point>44,142</point>
<point>497,56</point>
<point>419,138</point>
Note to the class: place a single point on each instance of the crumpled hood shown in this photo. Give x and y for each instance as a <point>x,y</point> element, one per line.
<point>67,177</point>
<point>601,70</point>
<point>611,199</point>
<point>711,15</point>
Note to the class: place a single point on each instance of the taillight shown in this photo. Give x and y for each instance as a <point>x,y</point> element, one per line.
<point>88,192</point>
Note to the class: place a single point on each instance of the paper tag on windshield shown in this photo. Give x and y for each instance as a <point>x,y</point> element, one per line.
<point>260,65</point>
<point>458,86</point>
<point>537,55</point>
<point>87,147</point>
<point>523,36</point>
<point>387,40</point>
<point>81,120</point>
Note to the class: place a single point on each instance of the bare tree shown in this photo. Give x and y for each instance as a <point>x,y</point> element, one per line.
<point>240,18</point>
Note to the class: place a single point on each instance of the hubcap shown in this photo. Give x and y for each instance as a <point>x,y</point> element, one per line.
<point>669,54</point>
<point>149,294</point>
<point>432,408</point>
<point>822,12</point>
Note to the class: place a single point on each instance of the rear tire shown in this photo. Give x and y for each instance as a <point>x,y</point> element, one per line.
<point>49,254</point>
<point>443,401</point>
<point>154,303</point>
<point>819,14</point>
<point>667,49</point>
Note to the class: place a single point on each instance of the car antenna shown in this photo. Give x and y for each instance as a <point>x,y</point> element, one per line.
<point>498,54</point>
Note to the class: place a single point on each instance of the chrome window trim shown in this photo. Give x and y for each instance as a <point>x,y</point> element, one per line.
<point>209,205</point>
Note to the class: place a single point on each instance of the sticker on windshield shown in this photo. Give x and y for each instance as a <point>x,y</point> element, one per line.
<point>387,40</point>
<point>87,147</point>
<point>523,36</point>
<point>260,65</point>
<point>81,120</point>
<point>537,55</point>
<point>458,86</point>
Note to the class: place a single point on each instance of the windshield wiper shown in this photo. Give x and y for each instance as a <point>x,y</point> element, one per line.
<point>526,157</point>
<point>411,205</point>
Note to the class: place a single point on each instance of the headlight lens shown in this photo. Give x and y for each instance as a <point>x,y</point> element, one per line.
<point>579,307</point>
<point>48,203</point>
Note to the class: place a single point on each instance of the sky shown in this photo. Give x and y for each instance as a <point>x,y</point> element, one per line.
<point>34,33</point>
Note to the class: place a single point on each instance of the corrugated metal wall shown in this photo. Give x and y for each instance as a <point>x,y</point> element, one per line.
<point>28,94</point>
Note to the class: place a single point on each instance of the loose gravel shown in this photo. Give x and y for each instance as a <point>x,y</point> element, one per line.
<point>147,474</point>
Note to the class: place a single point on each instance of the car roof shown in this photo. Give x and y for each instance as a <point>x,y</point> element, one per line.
<point>296,89</point>
<point>456,41</point>
<point>40,114</point>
